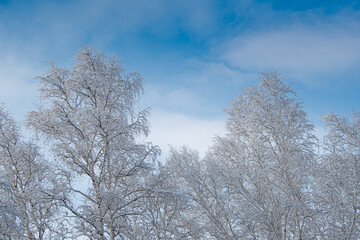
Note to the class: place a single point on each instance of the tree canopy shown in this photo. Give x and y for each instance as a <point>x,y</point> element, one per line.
<point>268,177</point>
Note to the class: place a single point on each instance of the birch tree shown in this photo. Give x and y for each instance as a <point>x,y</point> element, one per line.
<point>267,157</point>
<point>339,178</point>
<point>89,116</point>
<point>202,182</point>
<point>167,212</point>
<point>11,222</point>
<point>28,179</point>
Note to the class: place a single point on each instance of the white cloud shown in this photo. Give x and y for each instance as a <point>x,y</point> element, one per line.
<point>77,19</point>
<point>204,88</point>
<point>18,83</point>
<point>179,99</point>
<point>205,72</point>
<point>178,129</point>
<point>300,51</point>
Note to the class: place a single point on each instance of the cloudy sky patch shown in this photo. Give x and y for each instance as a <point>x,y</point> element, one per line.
<point>195,56</point>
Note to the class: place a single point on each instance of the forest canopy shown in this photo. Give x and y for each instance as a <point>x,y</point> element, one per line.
<point>268,177</point>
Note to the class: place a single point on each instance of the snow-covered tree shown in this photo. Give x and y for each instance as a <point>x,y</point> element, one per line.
<point>339,178</point>
<point>167,209</point>
<point>28,180</point>
<point>262,180</point>
<point>266,160</point>
<point>11,224</point>
<point>204,184</point>
<point>89,116</point>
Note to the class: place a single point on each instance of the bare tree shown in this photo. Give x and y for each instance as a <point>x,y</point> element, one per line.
<point>207,194</point>
<point>11,222</point>
<point>339,178</point>
<point>89,116</point>
<point>262,180</point>
<point>266,159</point>
<point>28,180</point>
<point>166,211</point>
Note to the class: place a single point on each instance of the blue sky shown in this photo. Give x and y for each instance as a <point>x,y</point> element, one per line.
<point>194,55</point>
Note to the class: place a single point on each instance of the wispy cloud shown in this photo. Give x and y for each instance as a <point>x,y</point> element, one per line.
<point>18,86</point>
<point>203,88</point>
<point>179,129</point>
<point>302,51</point>
<point>296,49</point>
<point>177,99</point>
<point>195,55</point>
<point>212,72</point>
